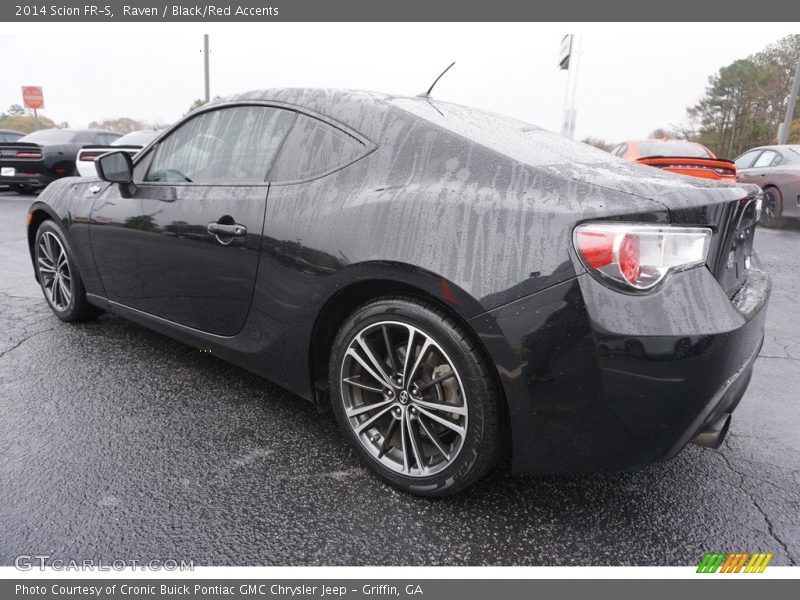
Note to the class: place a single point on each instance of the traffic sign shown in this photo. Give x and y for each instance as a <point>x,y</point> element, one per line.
<point>32,97</point>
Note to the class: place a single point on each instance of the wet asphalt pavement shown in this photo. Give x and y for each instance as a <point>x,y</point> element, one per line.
<point>118,443</point>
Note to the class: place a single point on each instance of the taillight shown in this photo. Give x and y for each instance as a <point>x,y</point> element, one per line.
<point>87,157</point>
<point>29,154</point>
<point>638,257</point>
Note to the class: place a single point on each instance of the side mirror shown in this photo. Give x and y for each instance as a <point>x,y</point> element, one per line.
<point>116,167</point>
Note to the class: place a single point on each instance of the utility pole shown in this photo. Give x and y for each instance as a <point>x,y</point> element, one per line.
<point>569,61</point>
<point>205,56</point>
<point>783,130</point>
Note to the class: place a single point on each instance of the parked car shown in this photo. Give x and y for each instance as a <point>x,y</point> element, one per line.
<point>444,277</point>
<point>677,156</point>
<point>777,170</point>
<point>9,135</point>
<point>131,143</point>
<point>43,156</point>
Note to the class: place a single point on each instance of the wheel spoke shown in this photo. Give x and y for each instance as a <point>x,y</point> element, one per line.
<point>387,439</point>
<point>448,408</point>
<point>56,292</point>
<point>44,266</point>
<point>433,382</point>
<point>360,410</point>
<point>403,434</point>
<point>407,357</point>
<point>65,294</point>
<point>427,345</point>
<point>362,426</point>
<point>50,290</point>
<point>389,350</point>
<point>363,386</point>
<point>413,439</point>
<point>352,353</point>
<point>449,424</point>
<point>434,439</point>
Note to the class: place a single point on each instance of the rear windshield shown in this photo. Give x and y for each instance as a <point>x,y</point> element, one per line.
<point>61,136</point>
<point>673,148</point>
<point>136,138</point>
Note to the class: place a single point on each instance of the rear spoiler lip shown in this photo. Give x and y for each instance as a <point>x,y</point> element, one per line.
<point>126,147</point>
<point>20,145</point>
<point>722,163</point>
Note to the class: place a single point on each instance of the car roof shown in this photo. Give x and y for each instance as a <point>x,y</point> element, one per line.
<point>12,131</point>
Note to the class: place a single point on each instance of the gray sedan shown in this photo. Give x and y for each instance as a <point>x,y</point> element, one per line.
<point>777,170</point>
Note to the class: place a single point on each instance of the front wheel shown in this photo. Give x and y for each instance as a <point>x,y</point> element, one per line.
<point>59,277</point>
<point>414,395</point>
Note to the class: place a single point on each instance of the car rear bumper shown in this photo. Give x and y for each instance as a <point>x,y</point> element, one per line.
<point>33,173</point>
<point>596,380</point>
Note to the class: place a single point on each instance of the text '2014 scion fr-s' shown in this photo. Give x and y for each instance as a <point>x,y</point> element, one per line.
<point>449,279</point>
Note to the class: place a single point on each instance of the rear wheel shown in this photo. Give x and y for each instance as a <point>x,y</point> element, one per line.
<point>59,277</point>
<point>23,188</point>
<point>415,397</point>
<point>772,210</point>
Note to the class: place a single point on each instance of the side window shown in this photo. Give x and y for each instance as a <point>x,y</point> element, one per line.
<point>234,144</point>
<point>620,150</point>
<point>313,148</point>
<point>746,159</point>
<point>765,160</point>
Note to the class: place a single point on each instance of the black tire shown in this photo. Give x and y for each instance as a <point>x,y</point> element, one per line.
<point>23,189</point>
<point>480,445</point>
<point>772,210</point>
<point>76,308</point>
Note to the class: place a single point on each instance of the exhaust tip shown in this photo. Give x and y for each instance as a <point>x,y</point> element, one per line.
<point>713,435</point>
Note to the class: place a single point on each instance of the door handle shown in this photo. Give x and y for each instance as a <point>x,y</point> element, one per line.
<point>227,230</point>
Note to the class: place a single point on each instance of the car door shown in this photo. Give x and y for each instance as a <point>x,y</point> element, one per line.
<point>185,245</point>
<point>761,168</point>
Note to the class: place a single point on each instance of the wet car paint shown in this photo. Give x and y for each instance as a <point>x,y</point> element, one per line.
<point>470,209</point>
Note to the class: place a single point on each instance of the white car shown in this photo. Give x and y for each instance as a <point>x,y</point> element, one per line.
<point>131,143</point>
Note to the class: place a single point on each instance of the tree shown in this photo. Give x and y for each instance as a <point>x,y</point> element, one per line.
<point>598,143</point>
<point>120,125</point>
<point>197,104</point>
<point>16,110</point>
<point>25,122</point>
<point>794,133</point>
<point>746,100</point>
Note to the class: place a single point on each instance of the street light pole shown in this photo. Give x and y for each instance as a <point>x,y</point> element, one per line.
<point>783,130</point>
<point>205,56</point>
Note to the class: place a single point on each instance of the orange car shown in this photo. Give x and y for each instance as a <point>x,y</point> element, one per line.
<point>678,156</point>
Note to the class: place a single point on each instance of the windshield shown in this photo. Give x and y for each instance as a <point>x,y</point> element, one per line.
<point>61,136</point>
<point>673,148</point>
<point>136,138</point>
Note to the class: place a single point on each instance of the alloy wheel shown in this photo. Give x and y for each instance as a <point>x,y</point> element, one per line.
<point>404,398</point>
<point>54,273</point>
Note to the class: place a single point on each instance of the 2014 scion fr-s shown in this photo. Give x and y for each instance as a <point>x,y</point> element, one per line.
<point>449,279</point>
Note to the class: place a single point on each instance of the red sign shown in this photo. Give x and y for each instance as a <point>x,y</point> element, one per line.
<point>32,96</point>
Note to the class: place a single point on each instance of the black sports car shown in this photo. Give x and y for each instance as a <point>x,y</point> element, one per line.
<point>448,279</point>
<point>35,160</point>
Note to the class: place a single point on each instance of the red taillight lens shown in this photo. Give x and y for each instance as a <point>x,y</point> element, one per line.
<point>28,154</point>
<point>596,247</point>
<point>87,157</point>
<point>629,259</point>
<point>637,257</point>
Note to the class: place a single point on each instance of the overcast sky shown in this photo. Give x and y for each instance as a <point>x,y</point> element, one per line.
<point>632,79</point>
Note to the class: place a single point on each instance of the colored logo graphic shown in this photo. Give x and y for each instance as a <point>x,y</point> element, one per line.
<point>735,562</point>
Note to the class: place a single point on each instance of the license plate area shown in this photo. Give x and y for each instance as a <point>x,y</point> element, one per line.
<point>8,172</point>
